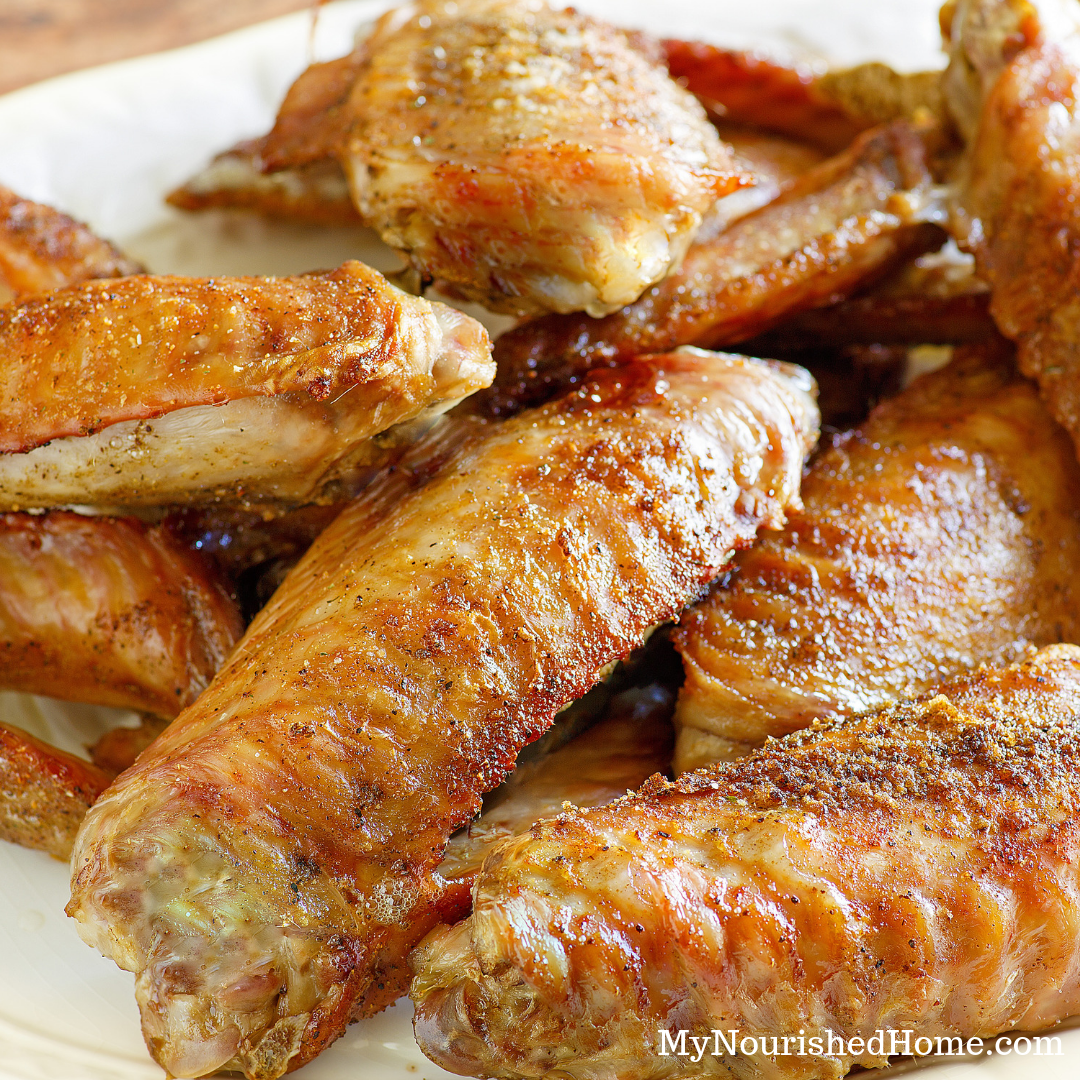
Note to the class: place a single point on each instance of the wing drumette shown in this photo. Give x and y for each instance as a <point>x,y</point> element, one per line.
<point>621,751</point>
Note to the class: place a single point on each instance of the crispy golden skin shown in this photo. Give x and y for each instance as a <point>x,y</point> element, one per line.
<point>535,160</point>
<point>110,612</point>
<point>42,249</point>
<point>44,792</point>
<point>917,868</point>
<point>151,390</point>
<point>843,225</point>
<point>291,822</point>
<point>943,533</point>
<point>1011,84</point>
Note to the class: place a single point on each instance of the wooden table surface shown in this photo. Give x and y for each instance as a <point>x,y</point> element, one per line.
<point>41,38</point>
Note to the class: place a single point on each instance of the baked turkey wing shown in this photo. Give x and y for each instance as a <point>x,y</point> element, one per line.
<point>912,869</point>
<point>156,390</point>
<point>942,533</point>
<point>266,866</point>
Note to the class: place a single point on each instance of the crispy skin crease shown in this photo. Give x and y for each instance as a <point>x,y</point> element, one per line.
<point>604,762</point>
<point>917,868</point>
<point>943,533</point>
<point>159,389</point>
<point>44,792</point>
<point>839,228</point>
<point>276,849</point>
<point>620,752</point>
<point>1018,209</point>
<point>42,249</point>
<point>110,612</point>
<point>534,160</point>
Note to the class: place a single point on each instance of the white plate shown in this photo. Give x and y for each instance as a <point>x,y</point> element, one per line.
<point>106,145</point>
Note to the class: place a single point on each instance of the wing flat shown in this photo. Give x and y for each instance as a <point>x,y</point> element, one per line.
<point>941,534</point>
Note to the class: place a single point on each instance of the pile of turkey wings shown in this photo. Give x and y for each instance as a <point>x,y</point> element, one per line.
<point>701,653</point>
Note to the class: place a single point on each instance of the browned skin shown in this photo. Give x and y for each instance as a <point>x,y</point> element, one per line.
<point>299,810</point>
<point>110,612</point>
<point>843,225</point>
<point>917,868</point>
<point>42,249</point>
<point>44,793</point>
<point>535,159</point>
<point>943,533</point>
<point>541,161</point>
<point>1019,209</point>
